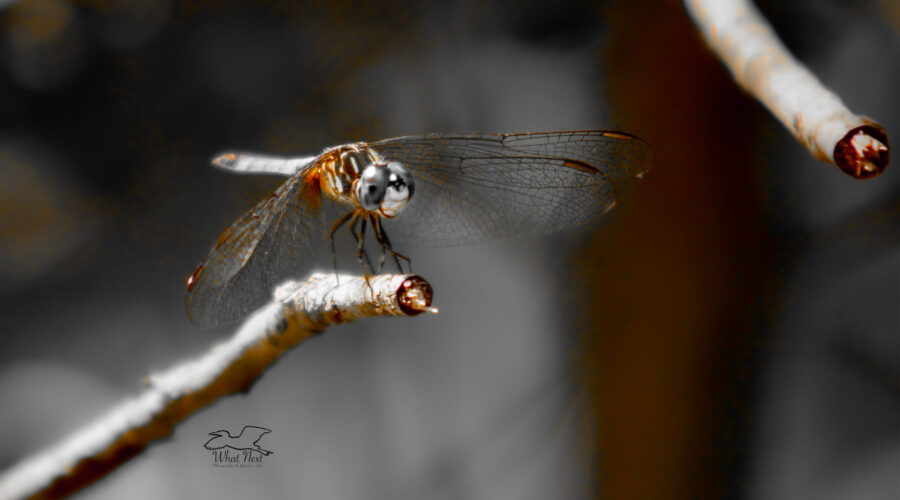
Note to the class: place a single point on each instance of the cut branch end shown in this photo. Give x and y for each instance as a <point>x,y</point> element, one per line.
<point>863,152</point>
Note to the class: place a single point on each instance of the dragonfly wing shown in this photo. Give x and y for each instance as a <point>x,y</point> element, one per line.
<point>253,163</point>
<point>478,187</point>
<point>278,239</point>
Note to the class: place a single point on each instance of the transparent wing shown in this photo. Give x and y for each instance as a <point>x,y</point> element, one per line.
<point>278,239</point>
<point>478,187</point>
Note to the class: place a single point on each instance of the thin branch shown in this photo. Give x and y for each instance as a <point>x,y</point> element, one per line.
<point>299,311</point>
<point>761,64</point>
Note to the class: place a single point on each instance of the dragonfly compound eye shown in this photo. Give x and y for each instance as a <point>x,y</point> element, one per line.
<point>400,188</point>
<point>373,183</point>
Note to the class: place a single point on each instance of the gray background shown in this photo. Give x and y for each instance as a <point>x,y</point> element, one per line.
<point>733,332</point>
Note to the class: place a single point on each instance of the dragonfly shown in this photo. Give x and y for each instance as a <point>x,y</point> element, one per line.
<point>426,190</point>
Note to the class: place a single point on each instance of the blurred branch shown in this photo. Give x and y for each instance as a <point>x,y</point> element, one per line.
<point>299,311</point>
<point>761,64</point>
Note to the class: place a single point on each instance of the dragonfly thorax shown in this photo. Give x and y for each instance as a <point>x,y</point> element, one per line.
<point>385,188</point>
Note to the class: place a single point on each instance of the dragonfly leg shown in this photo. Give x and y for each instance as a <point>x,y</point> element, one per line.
<point>382,237</point>
<point>334,227</point>
<point>360,238</point>
<point>362,256</point>
<point>376,229</point>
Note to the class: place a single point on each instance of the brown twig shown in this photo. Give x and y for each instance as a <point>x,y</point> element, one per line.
<point>760,63</point>
<point>300,311</point>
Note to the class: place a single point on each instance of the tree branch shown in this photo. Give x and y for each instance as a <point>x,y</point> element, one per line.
<point>299,311</point>
<point>761,64</point>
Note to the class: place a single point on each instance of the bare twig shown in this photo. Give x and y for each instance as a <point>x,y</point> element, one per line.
<point>762,65</point>
<point>299,311</point>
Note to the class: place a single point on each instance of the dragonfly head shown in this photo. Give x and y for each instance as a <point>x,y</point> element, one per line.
<point>385,188</point>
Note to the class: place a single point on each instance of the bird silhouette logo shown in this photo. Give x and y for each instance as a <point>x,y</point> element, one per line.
<point>248,439</point>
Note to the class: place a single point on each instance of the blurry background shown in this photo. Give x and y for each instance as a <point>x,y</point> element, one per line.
<point>732,333</point>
